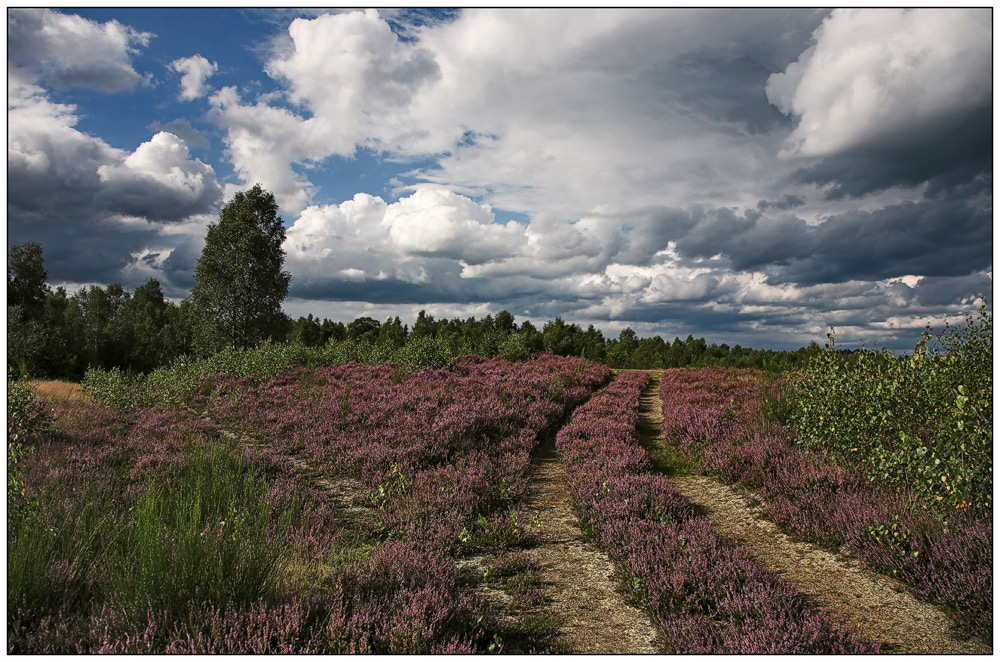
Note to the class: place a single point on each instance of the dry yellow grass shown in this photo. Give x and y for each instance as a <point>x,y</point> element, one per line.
<point>54,390</point>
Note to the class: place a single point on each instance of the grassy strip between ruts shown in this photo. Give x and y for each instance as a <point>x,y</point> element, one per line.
<point>707,594</point>
<point>716,414</point>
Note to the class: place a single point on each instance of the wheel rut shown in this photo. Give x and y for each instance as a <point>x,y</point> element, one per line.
<point>343,491</point>
<point>885,609</point>
<point>592,615</point>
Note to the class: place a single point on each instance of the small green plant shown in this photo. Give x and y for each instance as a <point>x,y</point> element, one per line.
<point>397,483</point>
<point>26,418</point>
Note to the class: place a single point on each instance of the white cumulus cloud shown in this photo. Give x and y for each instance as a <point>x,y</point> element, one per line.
<point>876,71</point>
<point>160,181</point>
<point>535,111</point>
<point>264,141</point>
<point>437,222</point>
<point>195,71</point>
<point>65,50</point>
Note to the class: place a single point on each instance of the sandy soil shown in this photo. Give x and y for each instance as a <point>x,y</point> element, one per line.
<point>885,609</point>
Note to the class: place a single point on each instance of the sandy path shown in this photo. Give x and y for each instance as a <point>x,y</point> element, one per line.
<point>884,608</point>
<point>592,615</point>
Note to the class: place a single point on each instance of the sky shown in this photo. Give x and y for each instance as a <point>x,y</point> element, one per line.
<point>752,177</point>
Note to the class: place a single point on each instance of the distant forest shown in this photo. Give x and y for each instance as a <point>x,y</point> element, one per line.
<point>52,334</point>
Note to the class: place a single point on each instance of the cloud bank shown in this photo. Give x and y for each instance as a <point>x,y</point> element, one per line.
<point>754,176</point>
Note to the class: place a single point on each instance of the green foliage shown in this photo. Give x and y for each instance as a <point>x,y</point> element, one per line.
<point>209,536</point>
<point>112,388</point>
<point>26,417</point>
<point>562,338</point>
<point>49,565</point>
<point>239,282</point>
<point>26,277</point>
<point>38,342</point>
<point>922,422</point>
<point>423,353</point>
<point>514,347</point>
<point>181,379</point>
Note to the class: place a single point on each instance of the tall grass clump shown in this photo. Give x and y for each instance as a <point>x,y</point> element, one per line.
<point>52,555</point>
<point>922,423</point>
<point>207,536</point>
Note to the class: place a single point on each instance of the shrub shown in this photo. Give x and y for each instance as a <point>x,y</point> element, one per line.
<point>112,388</point>
<point>26,417</point>
<point>923,423</point>
<point>713,412</point>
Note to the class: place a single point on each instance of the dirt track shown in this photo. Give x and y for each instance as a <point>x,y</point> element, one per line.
<point>592,615</point>
<point>884,608</point>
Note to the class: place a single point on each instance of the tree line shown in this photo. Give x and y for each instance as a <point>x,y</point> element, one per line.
<point>236,304</point>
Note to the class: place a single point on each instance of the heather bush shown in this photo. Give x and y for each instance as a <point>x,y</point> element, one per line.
<point>128,513</point>
<point>441,458</point>
<point>922,423</point>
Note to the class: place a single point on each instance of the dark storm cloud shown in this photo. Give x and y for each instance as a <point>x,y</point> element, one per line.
<point>721,86</point>
<point>947,151</point>
<point>387,291</point>
<point>71,213</point>
<point>178,268</point>
<point>749,241</point>
<point>929,238</point>
<point>80,249</point>
<point>145,197</point>
<point>713,233</point>
<point>945,291</point>
<point>440,289</point>
<point>650,230</point>
<point>787,201</point>
<point>717,72</point>
<point>394,291</point>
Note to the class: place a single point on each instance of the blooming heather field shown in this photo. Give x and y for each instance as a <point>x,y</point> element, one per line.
<point>367,508</point>
<point>947,558</point>
<point>708,595</point>
<point>151,531</point>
